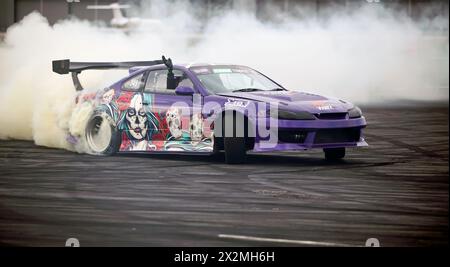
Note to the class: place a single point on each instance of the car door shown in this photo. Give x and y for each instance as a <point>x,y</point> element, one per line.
<point>173,111</point>
<point>136,121</point>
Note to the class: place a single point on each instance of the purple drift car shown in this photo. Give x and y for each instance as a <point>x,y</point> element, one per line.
<point>204,108</point>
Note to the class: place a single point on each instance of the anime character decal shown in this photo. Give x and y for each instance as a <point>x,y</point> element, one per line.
<point>144,129</point>
<point>173,120</point>
<point>186,135</point>
<point>138,124</point>
<point>108,103</point>
<point>196,127</point>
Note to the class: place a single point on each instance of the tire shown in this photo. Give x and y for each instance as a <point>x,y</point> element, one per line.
<point>218,145</point>
<point>235,150</point>
<point>102,135</point>
<point>332,154</point>
<point>234,146</point>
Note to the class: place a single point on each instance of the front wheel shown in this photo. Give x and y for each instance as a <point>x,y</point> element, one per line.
<point>102,136</point>
<point>233,144</point>
<point>235,152</point>
<point>334,153</point>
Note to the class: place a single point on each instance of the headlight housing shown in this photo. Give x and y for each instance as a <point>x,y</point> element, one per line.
<point>290,115</point>
<point>354,113</point>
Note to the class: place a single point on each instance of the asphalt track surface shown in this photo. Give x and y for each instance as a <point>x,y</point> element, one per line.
<point>396,190</point>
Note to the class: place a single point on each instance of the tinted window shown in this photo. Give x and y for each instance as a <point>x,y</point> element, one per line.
<point>222,79</point>
<point>157,81</point>
<point>133,84</point>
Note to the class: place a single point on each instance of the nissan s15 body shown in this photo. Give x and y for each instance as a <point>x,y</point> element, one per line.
<point>207,108</point>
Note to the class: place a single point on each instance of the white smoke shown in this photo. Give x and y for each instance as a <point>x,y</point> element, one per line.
<point>367,56</point>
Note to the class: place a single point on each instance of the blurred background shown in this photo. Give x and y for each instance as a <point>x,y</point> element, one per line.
<point>12,11</point>
<point>352,39</point>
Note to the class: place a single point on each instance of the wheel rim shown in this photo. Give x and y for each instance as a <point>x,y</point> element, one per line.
<point>98,135</point>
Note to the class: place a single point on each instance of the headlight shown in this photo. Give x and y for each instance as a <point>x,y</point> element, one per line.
<point>289,115</point>
<point>354,113</point>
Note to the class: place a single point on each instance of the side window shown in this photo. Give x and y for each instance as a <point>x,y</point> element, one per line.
<point>133,84</point>
<point>157,81</point>
<point>185,81</point>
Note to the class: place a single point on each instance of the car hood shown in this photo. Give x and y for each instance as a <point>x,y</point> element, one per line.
<point>294,100</point>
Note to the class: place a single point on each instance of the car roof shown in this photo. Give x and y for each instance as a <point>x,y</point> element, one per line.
<point>183,65</point>
<point>199,64</point>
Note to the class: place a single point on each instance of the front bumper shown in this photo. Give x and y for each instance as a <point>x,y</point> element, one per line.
<point>309,134</point>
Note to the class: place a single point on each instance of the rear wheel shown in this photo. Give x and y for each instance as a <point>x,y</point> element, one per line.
<point>102,136</point>
<point>334,153</point>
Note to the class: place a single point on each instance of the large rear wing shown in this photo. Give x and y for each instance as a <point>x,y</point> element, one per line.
<point>65,66</point>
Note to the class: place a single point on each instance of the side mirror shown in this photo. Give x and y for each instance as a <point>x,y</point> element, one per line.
<point>184,90</point>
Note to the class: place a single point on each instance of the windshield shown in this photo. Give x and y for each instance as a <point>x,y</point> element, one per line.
<point>225,79</point>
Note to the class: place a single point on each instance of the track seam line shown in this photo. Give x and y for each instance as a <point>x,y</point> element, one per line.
<point>284,241</point>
